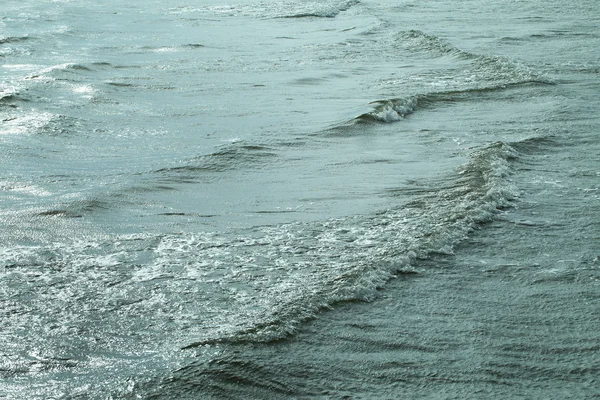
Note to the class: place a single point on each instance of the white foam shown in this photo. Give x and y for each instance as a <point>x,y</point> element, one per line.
<point>84,89</point>
<point>31,190</point>
<point>387,114</point>
<point>166,49</point>
<point>8,91</point>
<point>25,124</point>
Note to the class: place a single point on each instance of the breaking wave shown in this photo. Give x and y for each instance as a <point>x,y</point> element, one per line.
<point>392,110</point>
<point>347,259</point>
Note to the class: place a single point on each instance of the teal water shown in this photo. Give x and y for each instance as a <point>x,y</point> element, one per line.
<point>335,199</point>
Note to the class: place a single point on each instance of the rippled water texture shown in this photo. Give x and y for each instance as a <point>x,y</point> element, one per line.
<point>291,199</point>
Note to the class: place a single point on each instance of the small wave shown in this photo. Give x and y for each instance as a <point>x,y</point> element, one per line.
<point>45,124</point>
<point>64,67</point>
<point>59,213</point>
<point>320,10</point>
<point>230,376</point>
<point>172,49</point>
<point>120,84</point>
<point>235,156</point>
<point>392,110</point>
<point>107,65</point>
<point>30,123</point>
<point>483,68</point>
<point>418,41</point>
<point>91,205</point>
<point>480,75</point>
<point>193,46</point>
<point>535,144</point>
<point>46,73</point>
<point>13,39</point>
<point>279,9</point>
<point>9,96</point>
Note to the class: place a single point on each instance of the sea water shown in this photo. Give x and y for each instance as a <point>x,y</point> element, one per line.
<point>293,199</point>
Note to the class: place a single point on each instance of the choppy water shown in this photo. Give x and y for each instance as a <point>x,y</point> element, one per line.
<point>291,199</point>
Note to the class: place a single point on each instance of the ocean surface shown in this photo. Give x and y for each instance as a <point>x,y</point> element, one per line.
<point>295,199</point>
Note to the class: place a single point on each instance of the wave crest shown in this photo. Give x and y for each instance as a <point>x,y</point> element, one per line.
<point>348,259</point>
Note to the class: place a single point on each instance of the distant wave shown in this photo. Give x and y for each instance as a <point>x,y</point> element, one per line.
<point>321,10</point>
<point>484,68</point>
<point>277,9</point>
